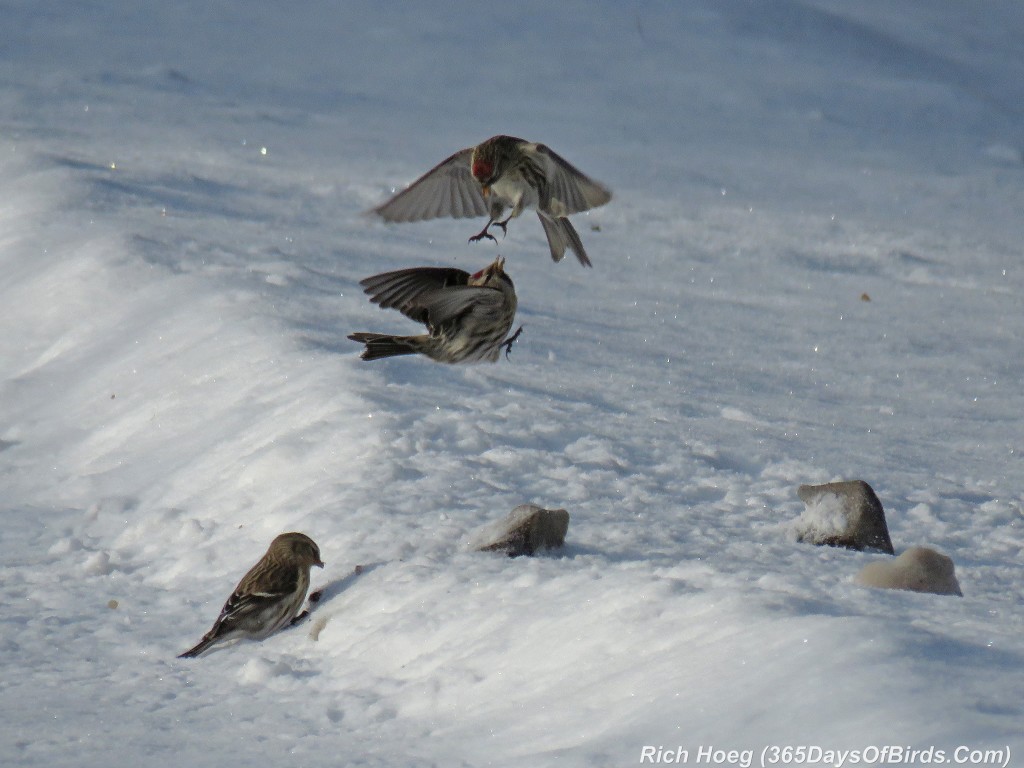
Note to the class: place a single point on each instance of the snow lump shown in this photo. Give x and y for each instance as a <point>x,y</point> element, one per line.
<point>919,569</point>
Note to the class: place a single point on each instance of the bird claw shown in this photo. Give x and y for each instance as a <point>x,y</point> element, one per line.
<point>507,343</point>
<point>485,233</point>
<point>482,234</point>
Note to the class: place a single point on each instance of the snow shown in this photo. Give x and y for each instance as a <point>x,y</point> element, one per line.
<point>810,271</point>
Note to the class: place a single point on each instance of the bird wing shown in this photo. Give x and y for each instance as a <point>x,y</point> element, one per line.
<point>569,190</point>
<point>257,590</point>
<point>240,611</point>
<point>449,303</point>
<point>403,289</point>
<point>446,190</point>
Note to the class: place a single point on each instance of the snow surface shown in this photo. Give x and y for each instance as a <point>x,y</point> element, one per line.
<point>811,271</point>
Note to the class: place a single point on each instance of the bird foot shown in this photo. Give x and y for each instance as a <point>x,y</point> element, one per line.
<point>314,598</point>
<point>484,233</point>
<point>507,343</point>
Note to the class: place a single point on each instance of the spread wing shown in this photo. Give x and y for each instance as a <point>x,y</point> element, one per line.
<point>569,190</point>
<point>407,290</point>
<point>446,190</point>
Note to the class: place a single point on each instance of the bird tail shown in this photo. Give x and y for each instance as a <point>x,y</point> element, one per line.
<point>561,235</point>
<point>380,345</point>
<point>207,641</point>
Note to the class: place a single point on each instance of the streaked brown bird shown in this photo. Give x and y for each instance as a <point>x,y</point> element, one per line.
<point>467,316</point>
<point>503,172</point>
<point>268,597</point>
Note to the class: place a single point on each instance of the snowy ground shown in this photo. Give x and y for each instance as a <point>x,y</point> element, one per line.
<point>182,188</point>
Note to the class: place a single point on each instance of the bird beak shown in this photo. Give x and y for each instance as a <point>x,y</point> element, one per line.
<point>486,191</point>
<point>498,265</point>
<point>319,563</point>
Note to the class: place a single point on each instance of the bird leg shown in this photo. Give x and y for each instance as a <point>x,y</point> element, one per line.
<point>507,343</point>
<point>492,223</point>
<point>503,225</point>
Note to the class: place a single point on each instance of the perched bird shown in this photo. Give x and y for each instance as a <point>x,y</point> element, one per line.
<point>269,596</point>
<point>467,316</point>
<point>503,172</point>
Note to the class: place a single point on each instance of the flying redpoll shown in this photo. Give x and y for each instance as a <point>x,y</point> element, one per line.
<point>503,172</point>
<point>467,316</point>
<point>269,596</point>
